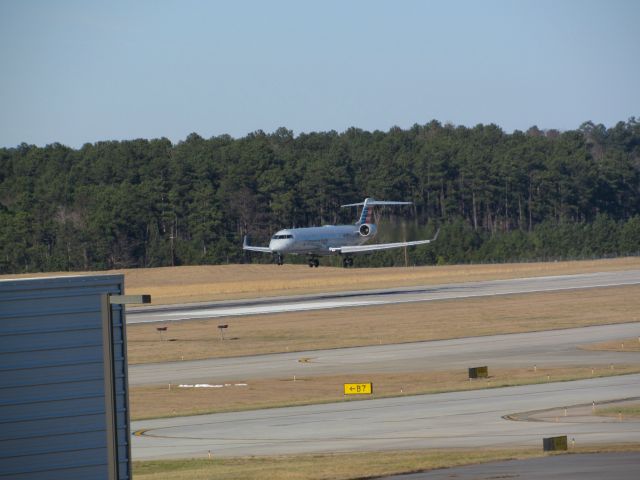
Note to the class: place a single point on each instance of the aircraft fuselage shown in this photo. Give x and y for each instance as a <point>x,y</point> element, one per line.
<point>316,240</point>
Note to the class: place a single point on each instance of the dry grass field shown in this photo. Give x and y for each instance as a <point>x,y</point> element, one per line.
<point>622,345</point>
<point>156,401</point>
<point>222,282</point>
<point>320,466</point>
<point>624,411</point>
<point>339,466</point>
<point>386,324</point>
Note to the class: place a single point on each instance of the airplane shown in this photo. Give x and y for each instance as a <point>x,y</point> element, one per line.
<point>344,240</point>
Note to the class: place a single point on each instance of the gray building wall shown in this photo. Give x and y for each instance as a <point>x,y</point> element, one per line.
<point>55,393</point>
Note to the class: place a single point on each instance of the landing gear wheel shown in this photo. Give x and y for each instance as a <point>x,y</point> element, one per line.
<point>347,262</point>
<point>314,262</point>
<point>279,259</point>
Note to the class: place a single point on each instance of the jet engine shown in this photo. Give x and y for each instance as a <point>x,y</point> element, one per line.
<point>367,230</point>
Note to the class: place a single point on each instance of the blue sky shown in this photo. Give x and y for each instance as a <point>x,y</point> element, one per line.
<point>85,71</point>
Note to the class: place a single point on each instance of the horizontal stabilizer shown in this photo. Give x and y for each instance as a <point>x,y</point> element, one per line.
<point>371,202</point>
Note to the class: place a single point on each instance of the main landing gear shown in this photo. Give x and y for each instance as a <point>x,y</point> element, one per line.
<point>347,262</point>
<point>313,262</point>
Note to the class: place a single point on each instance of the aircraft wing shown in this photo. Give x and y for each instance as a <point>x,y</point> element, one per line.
<point>380,246</point>
<point>246,246</point>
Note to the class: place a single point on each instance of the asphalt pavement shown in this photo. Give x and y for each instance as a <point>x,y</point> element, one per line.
<point>592,466</point>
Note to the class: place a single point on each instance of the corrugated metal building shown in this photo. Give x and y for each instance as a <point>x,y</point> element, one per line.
<point>63,379</point>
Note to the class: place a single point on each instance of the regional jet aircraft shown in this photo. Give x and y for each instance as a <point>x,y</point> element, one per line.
<point>344,240</point>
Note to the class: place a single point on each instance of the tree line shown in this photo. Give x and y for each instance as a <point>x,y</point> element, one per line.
<point>534,195</point>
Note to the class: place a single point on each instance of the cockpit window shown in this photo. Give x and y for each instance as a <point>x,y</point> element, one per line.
<point>281,237</point>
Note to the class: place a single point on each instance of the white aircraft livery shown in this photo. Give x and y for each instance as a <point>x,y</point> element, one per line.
<point>344,240</point>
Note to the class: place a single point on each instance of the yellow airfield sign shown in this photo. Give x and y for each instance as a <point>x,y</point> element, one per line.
<point>358,388</point>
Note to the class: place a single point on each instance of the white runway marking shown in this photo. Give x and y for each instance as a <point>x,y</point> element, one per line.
<point>258,310</point>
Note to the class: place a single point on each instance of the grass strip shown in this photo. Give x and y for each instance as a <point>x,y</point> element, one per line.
<point>621,345</point>
<point>627,411</point>
<point>158,401</point>
<point>340,466</point>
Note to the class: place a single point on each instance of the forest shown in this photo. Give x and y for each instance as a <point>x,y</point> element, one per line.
<point>496,196</point>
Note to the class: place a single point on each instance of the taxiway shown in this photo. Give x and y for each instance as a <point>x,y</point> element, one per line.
<point>470,419</point>
<point>545,348</point>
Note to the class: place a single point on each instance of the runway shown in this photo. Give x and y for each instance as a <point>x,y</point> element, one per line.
<point>552,348</point>
<point>380,297</point>
<point>470,419</point>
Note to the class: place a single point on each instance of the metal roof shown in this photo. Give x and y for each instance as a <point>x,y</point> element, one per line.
<point>55,392</point>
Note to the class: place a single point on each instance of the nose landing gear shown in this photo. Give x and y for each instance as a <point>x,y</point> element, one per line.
<point>279,259</point>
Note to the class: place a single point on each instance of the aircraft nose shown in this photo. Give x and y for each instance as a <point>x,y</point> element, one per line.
<point>280,245</point>
<point>276,245</point>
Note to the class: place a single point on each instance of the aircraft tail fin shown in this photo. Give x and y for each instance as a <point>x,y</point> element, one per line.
<point>366,215</point>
